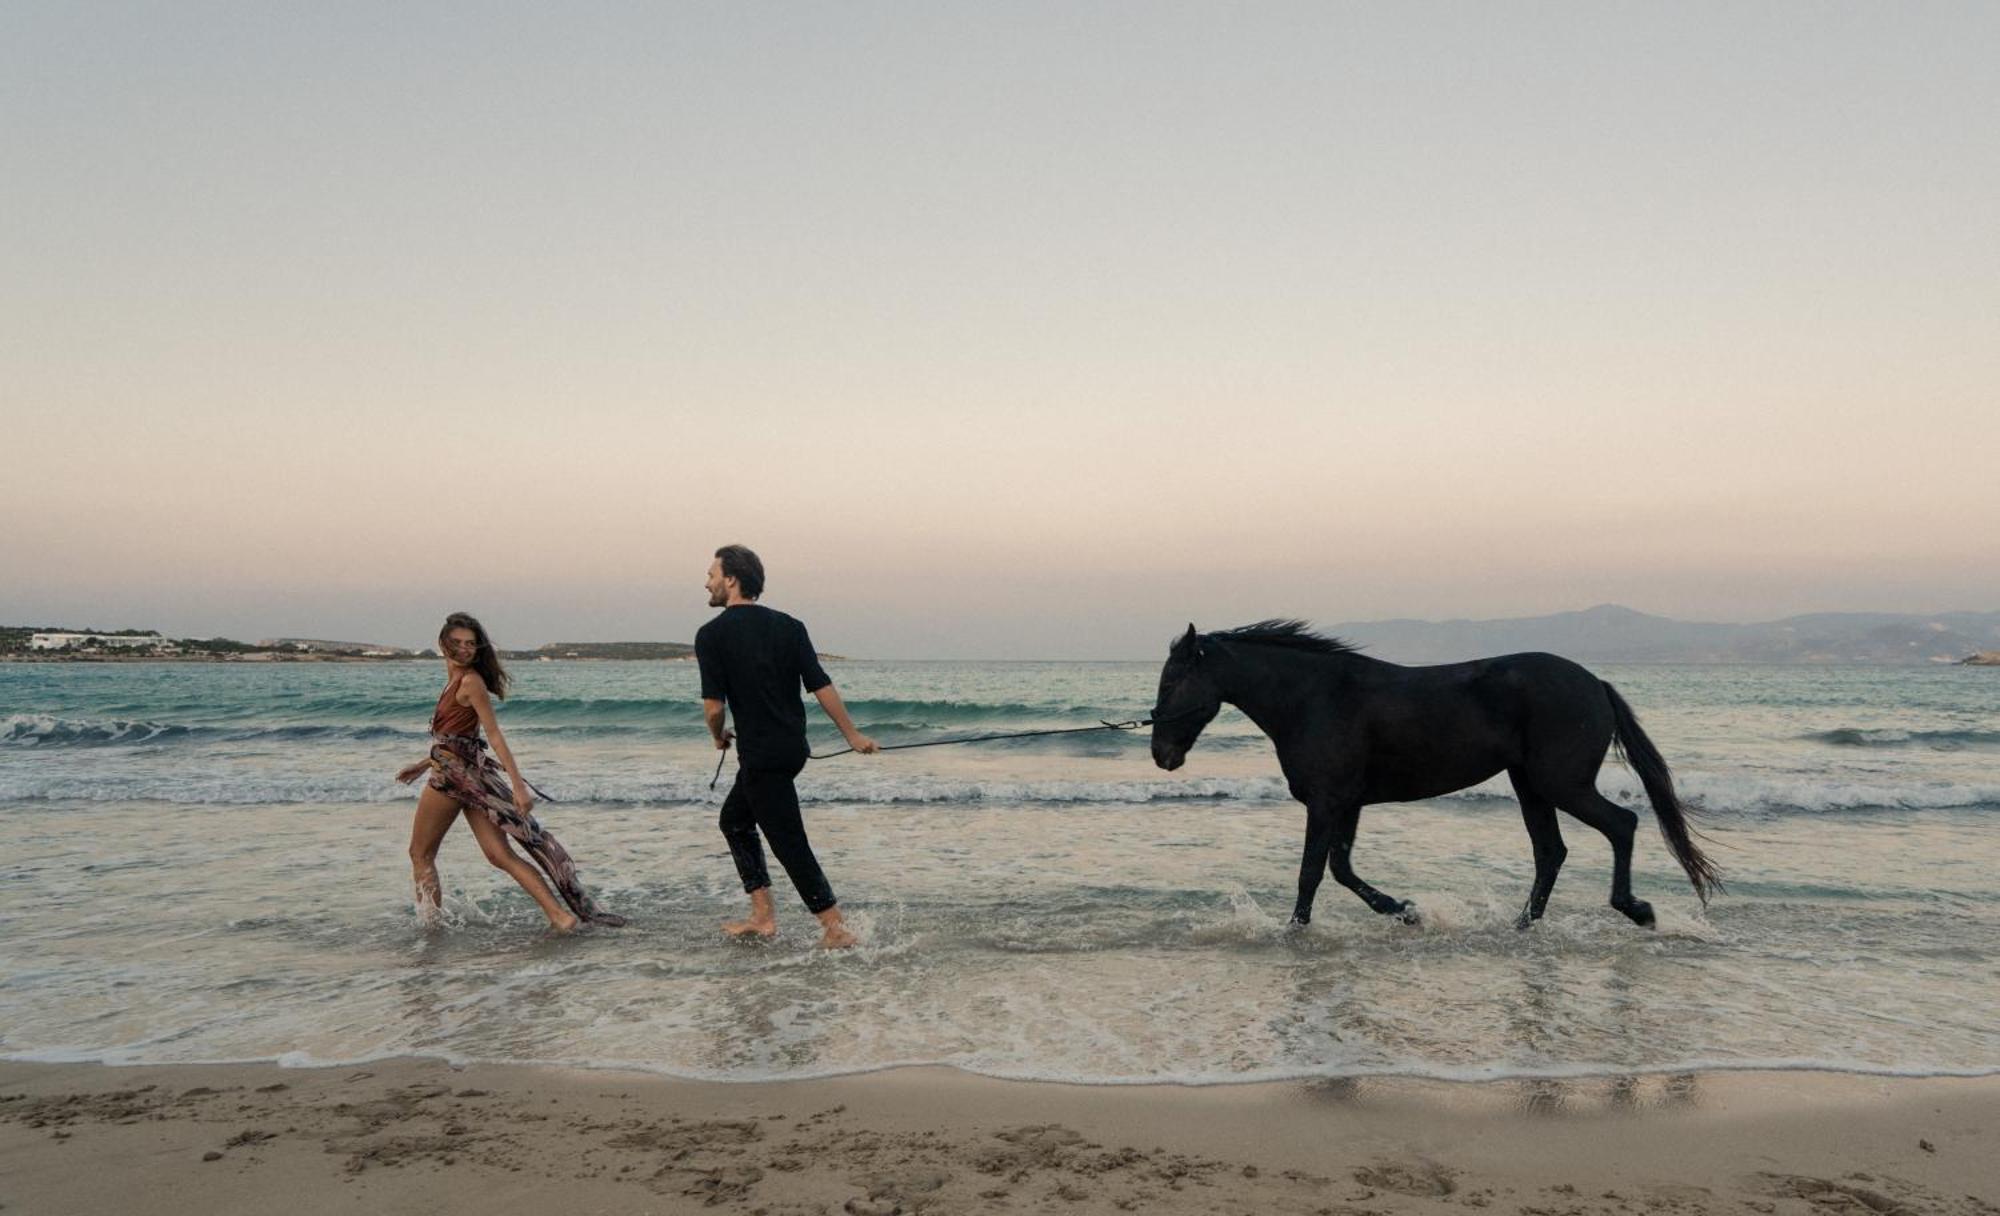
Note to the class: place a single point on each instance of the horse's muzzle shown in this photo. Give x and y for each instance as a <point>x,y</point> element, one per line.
<point>1167,756</point>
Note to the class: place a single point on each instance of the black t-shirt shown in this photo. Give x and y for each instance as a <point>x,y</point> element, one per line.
<point>756,659</point>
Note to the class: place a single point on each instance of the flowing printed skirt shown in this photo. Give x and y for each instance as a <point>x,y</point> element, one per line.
<point>462,767</point>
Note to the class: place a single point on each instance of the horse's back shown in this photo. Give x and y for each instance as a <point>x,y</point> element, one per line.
<point>1508,683</point>
<point>1430,730</point>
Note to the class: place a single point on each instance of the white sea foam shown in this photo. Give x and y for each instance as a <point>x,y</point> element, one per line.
<point>1062,914</point>
<point>1724,795</point>
<point>1410,1069</point>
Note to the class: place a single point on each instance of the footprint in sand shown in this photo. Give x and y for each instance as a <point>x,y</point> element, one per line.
<point>897,1191</point>
<point>1888,1197</point>
<point>1041,1135</point>
<point>1033,1146</point>
<point>714,1186</point>
<point>1415,1177</point>
<point>685,1138</point>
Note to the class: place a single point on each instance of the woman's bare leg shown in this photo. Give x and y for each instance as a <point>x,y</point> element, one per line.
<point>436,812</point>
<point>493,843</point>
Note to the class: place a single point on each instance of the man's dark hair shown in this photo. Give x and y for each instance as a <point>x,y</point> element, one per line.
<point>743,566</point>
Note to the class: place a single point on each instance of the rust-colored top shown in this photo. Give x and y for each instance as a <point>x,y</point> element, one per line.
<point>451,718</point>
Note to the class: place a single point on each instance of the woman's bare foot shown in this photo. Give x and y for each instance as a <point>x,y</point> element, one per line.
<point>762,921</point>
<point>565,926</point>
<point>837,935</point>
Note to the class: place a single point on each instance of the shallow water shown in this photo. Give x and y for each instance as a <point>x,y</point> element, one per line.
<point>206,862</point>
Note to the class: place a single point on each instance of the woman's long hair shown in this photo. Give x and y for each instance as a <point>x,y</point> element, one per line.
<point>487,661</point>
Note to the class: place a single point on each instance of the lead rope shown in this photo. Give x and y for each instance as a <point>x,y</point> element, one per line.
<point>1025,734</point>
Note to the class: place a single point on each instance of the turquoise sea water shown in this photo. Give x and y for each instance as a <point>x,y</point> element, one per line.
<point>207,862</point>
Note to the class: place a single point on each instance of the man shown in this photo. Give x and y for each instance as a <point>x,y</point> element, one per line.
<point>754,661</point>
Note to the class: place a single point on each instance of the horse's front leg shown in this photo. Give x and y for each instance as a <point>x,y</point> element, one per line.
<point>1312,867</point>
<point>1345,818</point>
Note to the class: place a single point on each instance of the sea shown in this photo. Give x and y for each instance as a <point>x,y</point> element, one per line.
<point>208,862</point>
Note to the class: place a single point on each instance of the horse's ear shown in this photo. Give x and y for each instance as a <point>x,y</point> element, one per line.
<point>1187,641</point>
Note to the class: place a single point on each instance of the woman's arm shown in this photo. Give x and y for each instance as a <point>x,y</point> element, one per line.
<point>472,692</point>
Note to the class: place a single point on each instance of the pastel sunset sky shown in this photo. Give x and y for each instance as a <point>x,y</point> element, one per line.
<point>1000,330</point>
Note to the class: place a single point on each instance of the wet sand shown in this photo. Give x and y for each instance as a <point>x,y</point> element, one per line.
<point>410,1135</point>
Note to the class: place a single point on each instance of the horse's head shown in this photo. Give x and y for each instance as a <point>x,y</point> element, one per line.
<point>1188,700</point>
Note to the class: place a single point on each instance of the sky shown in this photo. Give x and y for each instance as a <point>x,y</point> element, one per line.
<point>1000,331</point>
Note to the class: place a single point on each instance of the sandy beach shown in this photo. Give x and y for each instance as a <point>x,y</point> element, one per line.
<point>410,1135</point>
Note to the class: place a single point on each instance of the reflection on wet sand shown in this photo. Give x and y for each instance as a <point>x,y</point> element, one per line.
<point>765,1023</point>
<point>1547,1096</point>
<point>1539,1097</point>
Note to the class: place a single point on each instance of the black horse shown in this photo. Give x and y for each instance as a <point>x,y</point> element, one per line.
<point>1352,730</point>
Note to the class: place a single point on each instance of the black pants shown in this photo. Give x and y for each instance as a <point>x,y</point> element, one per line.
<point>766,798</point>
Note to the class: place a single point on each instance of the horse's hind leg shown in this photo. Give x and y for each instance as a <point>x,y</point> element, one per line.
<point>1540,815</point>
<point>1618,825</point>
<point>1346,818</point>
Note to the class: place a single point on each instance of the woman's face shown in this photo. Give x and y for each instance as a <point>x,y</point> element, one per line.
<point>461,646</point>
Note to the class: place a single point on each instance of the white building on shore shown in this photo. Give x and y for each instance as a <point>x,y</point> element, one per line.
<point>67,641</point>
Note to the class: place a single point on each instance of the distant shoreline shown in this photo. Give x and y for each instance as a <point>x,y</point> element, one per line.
<point>264,656</point>
<point>275,657</point>
<point>1607,633</point>
<point>269,658</point>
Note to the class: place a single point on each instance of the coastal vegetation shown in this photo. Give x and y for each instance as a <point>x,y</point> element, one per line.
<point>58,644</point>
<point>18,644</point>
<point>606,650</point>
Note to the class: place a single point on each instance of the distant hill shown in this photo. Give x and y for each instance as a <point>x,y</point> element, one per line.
<point>1612,634</point>
<point>613,650</point>
<point>607,650</point>
<point>326,646</point>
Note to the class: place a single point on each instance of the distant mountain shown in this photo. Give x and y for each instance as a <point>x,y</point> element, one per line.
<point>1611,634</point>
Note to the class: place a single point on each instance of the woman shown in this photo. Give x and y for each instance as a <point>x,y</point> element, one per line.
<point>465,777</point>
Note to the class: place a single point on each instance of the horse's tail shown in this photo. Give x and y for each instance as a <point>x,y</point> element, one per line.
<point>1638,751</point>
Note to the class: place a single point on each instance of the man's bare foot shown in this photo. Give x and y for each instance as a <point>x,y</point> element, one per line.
<point>837,935</point>
<point>762,921</point>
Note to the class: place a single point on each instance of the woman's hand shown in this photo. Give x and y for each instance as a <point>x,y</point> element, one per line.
<point>410,772</point>
<point>524,799</point>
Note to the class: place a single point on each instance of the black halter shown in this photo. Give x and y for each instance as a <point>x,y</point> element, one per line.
<point>1158,717</point>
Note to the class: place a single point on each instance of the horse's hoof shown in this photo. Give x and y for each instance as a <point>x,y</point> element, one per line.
<point>1523,922</point>
<point>1409,915</point>
<point>1641,913</point>
<point>1299,920</point>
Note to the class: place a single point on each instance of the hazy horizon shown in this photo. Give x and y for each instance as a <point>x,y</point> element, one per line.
<point>1034,331</point>
<point>1142,654</point>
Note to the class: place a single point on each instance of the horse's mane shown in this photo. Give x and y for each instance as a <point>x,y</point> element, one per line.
<point>1294,635</point>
